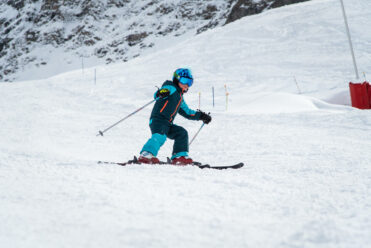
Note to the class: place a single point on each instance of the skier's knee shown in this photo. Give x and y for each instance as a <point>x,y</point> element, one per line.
<point>183,132</point>
<point>154,144</point>
<point>159,138</point>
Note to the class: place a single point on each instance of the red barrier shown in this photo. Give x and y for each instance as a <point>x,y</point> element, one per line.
<point>360,95</point>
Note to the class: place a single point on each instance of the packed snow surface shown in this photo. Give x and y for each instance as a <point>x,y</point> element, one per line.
<point>307,175</point>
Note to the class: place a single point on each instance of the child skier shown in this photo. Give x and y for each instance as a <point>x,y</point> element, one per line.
<point>169,101</point>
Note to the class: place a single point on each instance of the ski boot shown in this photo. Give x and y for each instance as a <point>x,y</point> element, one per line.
<point>182,161</point>
<point>148,158</point>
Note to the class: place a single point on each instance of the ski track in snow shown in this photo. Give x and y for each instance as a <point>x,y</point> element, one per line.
<point>307,176</point>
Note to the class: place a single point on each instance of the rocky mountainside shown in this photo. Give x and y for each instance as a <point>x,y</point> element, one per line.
<point>251,7</point>
<point>40,38</point>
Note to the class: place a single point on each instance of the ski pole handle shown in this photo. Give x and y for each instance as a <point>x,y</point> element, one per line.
<point>203,124</point>
<point>100,133</point>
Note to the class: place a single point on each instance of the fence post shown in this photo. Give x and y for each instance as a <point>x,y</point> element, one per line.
<point>82,64</point>
<point>226,97</point>
<point>297,85</point>
<point>213,97</point>
<point>199,100</point>
<point>95,76</point>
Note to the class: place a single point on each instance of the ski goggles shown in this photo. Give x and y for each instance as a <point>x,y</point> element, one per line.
<point>187,81</point>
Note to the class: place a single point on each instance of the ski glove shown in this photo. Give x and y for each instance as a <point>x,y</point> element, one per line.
<point>162,93</point>
<point>206,118</point>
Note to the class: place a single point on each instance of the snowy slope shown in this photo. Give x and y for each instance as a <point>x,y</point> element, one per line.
<point>306,182</point>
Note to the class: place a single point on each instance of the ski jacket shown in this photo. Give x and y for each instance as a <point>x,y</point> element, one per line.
<point>168,107</point>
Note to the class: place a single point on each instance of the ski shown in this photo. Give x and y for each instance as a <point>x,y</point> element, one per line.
<point>133,161</point>
<point>197,164</point>
<point>207,166</point>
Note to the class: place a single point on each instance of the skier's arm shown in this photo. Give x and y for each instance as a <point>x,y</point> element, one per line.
<point>189,113</point>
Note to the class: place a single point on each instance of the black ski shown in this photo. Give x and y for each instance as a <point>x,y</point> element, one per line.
<point>198,164</point>
<point>133,161</point>
<point>207,166</point>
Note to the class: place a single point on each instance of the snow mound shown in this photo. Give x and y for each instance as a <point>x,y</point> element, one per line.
<point>280,102</point>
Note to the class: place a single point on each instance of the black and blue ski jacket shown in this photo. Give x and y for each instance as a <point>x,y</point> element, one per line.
<point>168,107</point>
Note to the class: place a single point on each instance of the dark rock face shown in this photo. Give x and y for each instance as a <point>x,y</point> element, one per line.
<point>134,39</point>
<point>280,3</point>
<point>17,4</point>
<point>244,8</point>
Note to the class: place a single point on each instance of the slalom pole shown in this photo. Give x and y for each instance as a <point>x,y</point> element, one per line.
<point>203,124</point>
<point>108,128</point>
<point>349,39</point>
<point>297,85</point>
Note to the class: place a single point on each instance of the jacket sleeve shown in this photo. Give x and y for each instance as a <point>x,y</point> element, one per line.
<point>188,113</point>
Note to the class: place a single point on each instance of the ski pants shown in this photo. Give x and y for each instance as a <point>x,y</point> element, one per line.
<point>160,131</point>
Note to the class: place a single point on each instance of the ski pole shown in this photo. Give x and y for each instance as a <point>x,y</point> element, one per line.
<point>108,128</point>
<point>203,124</point>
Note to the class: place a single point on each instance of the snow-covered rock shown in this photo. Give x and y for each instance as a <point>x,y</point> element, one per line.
<point>42,38</point>
<point>56,34</point>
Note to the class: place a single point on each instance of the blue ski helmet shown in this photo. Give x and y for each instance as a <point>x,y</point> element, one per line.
<point>183,76</point>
